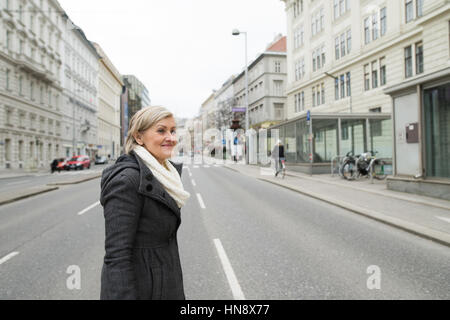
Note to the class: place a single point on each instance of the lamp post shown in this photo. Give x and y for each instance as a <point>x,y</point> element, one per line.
<point>236,32</point>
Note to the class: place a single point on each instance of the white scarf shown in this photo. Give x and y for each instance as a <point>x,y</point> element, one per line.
<point>170,179</point>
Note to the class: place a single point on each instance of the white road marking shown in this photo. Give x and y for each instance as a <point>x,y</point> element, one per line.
<point>445,219</point>
<point>17,182</point>
<point>232,280</point>
<point>205,166</point>
<point>190,174</point>
<point>195,167</point>
<point>200,201</point>
<point>193,182</point>
<point>88,208</point>
<point>9,256</point>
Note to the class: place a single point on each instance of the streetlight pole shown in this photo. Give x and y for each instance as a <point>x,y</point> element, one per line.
<point>236,32</point>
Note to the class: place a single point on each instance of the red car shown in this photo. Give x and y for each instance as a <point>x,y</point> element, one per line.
<point>79,163</point>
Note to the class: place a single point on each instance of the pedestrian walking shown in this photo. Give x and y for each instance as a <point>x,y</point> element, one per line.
<point>278,157</point>
<point>54,165</point>
<point>142,195</point>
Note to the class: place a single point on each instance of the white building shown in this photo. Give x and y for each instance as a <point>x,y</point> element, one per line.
<point>109,90</point>
<point>352,62</point>
<point>31,127</point>
<point>80,92</point>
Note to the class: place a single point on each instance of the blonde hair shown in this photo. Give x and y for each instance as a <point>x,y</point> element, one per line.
<point>141,121</point>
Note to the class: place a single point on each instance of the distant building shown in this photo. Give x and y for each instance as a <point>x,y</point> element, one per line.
<point>80,92</point>
<point>109,91</point>
<point>266,85</point>
<point>137,94</point>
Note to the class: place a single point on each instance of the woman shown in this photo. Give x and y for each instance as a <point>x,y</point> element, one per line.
<point>142,195</point>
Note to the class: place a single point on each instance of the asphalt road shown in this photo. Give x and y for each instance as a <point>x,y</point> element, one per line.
<point>240,238</point>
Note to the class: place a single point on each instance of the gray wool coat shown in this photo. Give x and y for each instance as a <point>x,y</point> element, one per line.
<point>141,221</point>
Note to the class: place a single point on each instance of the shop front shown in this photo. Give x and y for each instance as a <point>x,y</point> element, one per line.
<point>312,142</point>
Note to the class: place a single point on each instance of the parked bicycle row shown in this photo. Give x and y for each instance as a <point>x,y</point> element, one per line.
<point>353,167</point>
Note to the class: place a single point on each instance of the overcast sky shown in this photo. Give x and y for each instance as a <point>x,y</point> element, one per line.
<point>180,49</point>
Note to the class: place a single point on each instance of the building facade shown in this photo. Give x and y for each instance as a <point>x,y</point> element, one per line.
<point>31,108</point>
<point>109,90</point>
<point>266,85</point>
<point>137,94</point>
<point>360,60</point>
<point>80,94</point>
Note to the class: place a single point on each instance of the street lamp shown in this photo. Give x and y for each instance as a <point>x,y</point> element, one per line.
<point>236,32</point>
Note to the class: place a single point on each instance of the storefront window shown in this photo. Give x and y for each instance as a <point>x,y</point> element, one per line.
<point>302,142</point>
<point>353,136</point>
<point>290,143</point>
<point>325,139</point>
<point>381,137</point>
<point>437,131</point>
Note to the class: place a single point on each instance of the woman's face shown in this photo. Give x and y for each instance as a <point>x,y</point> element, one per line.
<point>160,139</point>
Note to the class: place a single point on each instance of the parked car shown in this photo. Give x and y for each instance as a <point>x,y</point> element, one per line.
<point>79,163</point>
<point>101,160</point>
<point>62,164</point>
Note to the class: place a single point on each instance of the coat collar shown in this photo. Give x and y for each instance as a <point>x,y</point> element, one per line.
<point>151,187</point>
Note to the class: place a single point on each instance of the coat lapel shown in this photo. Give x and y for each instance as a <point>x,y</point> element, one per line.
<point>151,187</point>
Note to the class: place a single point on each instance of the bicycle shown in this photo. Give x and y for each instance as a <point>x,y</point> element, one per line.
<point>365,164</point>
<point>281,163</point>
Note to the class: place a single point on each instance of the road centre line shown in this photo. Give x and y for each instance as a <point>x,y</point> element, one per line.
<point>88,208</point>
<point>9,256</point>
<point>193,182</point>
<point>231,277</point>
<point>200,201</point>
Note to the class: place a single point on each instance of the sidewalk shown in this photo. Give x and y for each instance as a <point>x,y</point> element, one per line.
<point>423,216</point>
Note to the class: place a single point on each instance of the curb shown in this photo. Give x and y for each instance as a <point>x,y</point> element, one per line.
<point>76,181</point>
<point>427,233</point>
<point>26,194</point>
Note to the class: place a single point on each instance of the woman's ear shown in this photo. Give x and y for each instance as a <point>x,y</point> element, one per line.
<point>138,139</point>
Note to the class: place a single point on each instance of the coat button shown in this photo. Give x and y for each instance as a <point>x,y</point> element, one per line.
<point>149,187</point>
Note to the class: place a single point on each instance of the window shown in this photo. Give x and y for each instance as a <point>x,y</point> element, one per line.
<point>382,71</point>
<point>278,87</point>
<point>8,78</point>
<point>383,21</point>
<point>342,86</point>
<point>314,96</point>
<point>419,8</point>
<point>337,51</point>
<point>419,58</point>
<point>374,75</point>
<point>349,85</point>
<point>375,26</point>
<point>323,56</point>
<point>366,78</point>
<point>277,66</point>
<point>366,31</point>
<point>349,41</point>
<point>343,45</point>
<point>8,40</point>
<point>408,62</point>
<point>409,10</point>
<point>323,93</point>
<point>336,9</point>
<point>341,7</point>
<point>336,89</point>
<point>32,91</point>
<point>20,85</point>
